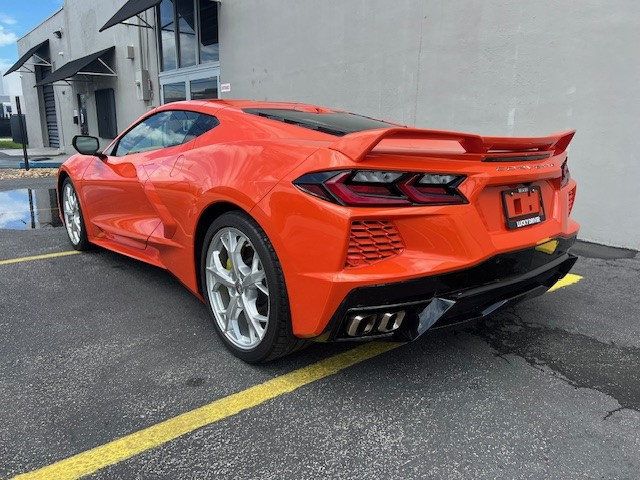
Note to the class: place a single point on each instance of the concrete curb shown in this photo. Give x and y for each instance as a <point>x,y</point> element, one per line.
<point>44,164</point>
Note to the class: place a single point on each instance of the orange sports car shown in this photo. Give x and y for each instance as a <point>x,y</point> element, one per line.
<point>296,222</point>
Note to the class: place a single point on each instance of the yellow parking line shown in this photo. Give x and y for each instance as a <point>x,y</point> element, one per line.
<point>90,461</point>
<point>135,443</point>
<point>38,257</point>
<point>569,279</point>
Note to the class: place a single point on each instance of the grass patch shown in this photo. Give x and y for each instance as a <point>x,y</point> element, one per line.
<point>6,143</point>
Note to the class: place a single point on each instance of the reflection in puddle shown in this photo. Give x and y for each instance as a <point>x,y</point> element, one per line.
<point>29,208</point>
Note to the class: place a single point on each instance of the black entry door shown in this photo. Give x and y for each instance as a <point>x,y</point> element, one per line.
<point>106,111</point>
<point>82,114</point>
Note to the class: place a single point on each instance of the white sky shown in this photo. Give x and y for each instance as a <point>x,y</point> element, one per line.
<point>11,83</point>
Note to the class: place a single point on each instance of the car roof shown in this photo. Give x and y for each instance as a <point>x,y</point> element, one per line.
<point>239,105</point>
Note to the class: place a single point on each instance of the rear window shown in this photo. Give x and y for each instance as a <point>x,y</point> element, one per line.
<point>334,123</point>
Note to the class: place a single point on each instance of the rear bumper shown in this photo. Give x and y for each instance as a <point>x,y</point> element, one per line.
<point>455,297</point>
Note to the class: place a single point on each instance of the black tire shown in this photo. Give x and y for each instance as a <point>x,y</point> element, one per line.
<point>278,339</point>
<point>83,243</point>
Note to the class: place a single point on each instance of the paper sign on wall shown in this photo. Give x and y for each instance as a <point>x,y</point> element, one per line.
<point>225,87</point>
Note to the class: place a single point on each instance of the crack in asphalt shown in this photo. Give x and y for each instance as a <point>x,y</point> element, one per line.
<point>579,360</point>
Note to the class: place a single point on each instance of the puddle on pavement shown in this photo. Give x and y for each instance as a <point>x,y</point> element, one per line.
<point>29,208</point>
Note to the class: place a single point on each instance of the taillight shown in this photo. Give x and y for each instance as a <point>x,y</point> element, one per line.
<point>566,176</point>
<point>363,193</point>
<point>368,188</point>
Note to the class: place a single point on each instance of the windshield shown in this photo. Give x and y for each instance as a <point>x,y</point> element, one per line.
<point>334,123</point>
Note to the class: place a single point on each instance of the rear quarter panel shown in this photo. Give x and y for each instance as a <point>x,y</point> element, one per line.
<point>220,167</point>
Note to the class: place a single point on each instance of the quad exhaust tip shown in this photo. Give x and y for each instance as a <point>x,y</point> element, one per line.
<point>361,325</point>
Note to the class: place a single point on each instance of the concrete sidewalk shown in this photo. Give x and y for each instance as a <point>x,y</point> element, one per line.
<point>40,161</point>
<point>32,152</point>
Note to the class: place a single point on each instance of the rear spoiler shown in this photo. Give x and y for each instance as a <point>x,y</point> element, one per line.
<point>358,145</point>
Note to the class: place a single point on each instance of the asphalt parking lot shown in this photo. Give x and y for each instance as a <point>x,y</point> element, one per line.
<point>96,347</point>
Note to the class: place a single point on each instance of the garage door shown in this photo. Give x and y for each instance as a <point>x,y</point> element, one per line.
<point>50,115</point>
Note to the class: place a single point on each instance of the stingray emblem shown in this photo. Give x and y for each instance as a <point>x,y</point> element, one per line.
<point>524,167</point>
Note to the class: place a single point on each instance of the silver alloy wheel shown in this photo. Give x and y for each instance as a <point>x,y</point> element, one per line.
<point>71,210</point>
<point>237,288</point>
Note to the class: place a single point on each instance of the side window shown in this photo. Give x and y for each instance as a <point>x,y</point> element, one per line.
<point>147,135</point>
<point>164,129</point>
<point>202,125</point>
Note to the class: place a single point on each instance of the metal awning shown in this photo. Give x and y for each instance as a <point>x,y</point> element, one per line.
<point>133,8</point>
<point>27,56</point>
<point>130,9</point>
<point>92,64</point>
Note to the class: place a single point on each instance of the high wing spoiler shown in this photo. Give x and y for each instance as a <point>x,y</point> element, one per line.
<point>359,145</point>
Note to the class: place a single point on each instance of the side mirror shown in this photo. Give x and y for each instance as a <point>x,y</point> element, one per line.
<point>87,145</point>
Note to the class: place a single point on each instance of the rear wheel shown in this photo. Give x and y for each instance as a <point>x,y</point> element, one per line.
<point>72,215</point>
<point>244,288</point>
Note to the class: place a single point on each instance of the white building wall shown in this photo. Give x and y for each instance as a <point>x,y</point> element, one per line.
<point>489,66</point>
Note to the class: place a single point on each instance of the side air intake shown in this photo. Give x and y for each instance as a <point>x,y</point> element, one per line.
<point>372,241</point>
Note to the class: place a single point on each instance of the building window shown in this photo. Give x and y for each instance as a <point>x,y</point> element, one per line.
<point>204,88</point>
<point>188,33</point>
<point>208,31</point>
<point>174,92</point>
<point>168,55</point>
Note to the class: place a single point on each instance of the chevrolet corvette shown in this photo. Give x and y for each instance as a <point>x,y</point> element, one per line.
<point>296,222</point>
